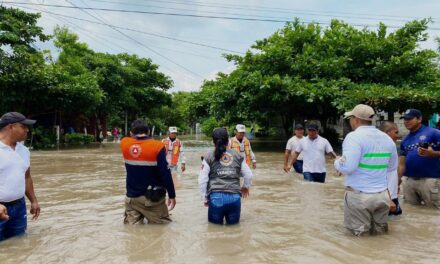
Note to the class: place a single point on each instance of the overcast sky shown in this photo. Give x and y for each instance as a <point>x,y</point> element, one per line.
<point>189,64</point>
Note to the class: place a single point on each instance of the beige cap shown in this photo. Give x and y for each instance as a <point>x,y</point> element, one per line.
<point>172,129</point>
<point>361,111</point>
<point>240,128</point>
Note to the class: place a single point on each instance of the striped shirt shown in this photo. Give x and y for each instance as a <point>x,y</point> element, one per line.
<point>368,156</point>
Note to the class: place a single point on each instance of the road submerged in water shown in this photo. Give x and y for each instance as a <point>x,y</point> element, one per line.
<point>285,220</point>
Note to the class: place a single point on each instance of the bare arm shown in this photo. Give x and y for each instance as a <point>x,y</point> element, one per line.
<point>30,194</point>
<point>294,157</point>
<point>401,168</point>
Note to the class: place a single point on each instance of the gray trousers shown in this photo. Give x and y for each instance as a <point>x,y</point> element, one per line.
<point>366,212</point>
<point>418,190</point>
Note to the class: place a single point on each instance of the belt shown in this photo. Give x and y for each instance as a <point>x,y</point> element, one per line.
<point>349,189</point>
<point>11,202</point>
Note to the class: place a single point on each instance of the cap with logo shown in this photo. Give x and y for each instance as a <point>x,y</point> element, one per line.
<point>411,113</point>
<point>361,111</point>
<point>15,117</point>
<point>240,128</point>
<point>172,129</point>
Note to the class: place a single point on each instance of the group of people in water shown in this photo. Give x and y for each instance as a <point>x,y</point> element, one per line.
<point>372,168</point>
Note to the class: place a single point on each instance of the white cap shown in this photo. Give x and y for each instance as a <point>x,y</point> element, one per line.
<point>240,128</point>
<point>172,129</point>
<point>361,111</point>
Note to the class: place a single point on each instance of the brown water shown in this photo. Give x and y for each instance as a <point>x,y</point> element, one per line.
<point>285,220</point>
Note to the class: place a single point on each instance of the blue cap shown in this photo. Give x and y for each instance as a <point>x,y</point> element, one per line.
<point>411,113</point>
<point>313,126</point>
<point>299,126</point>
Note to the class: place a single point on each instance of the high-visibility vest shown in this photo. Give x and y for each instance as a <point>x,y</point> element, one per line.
<point>175,150</point>
<point>235,145</point>
<point>140,152</point>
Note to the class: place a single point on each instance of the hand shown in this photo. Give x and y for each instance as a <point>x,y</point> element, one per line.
<point>3,213</point>
<point>429,152</point>
<point>287,168</point>
<point>206,203</point>
<point>392,206</point>
<point>254,165</point>
<point>183,167</point>
<point>35,210</point>
<point>244,192</point>
<point>171,204</point>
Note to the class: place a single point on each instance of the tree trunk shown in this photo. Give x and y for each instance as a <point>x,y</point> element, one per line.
<point>103,120</point>
<point>391,115</point>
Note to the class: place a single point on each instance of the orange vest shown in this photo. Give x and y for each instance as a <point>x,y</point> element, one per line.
<point>175,151</point>
<point>235,145</point>
<point>140,152</point>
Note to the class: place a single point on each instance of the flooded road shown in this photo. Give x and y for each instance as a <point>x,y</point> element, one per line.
<point>81,193</point>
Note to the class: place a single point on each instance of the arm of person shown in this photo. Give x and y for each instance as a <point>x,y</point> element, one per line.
<point>166,178</point>
<point>30,194</point>
<point>295,155</point>
<point>401,168</point>
<point>428,152</point>
<point>286,160</point>
<point>203,181</point>
<point>254,160</point>
<point>247,179</point>
<point>3,213</point>
<point>351,155</point>
<point>182,158</point>
<point>329,150</point>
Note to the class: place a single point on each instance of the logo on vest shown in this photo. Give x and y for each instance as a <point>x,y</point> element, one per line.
<point>135,150</point>
<point>422,137</point>
<point>226,159</point>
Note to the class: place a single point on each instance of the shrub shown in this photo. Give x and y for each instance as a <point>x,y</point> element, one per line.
<point>78,139</point>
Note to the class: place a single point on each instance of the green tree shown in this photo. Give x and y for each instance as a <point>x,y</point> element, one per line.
<point>304,71</point>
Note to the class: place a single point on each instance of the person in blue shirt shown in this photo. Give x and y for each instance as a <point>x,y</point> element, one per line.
<point>420,161</point>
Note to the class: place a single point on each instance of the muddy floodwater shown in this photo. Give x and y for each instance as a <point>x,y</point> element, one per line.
<point>285,220</point>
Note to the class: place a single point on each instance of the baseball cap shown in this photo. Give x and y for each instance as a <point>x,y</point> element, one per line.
<point>240,128</point>
<point>299,126</point>
<point>172,129</point>
<point>313,126</point>
<point>15,117</point>
<point>411,113</point>
<point>220,133</point>
<point>361,111</point>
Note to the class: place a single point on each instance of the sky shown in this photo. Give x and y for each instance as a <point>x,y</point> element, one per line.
<point>165,38</point>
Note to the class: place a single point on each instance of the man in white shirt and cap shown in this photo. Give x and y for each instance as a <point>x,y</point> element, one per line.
<point>368,156</point>
<point>242,145</point>
<point>15,176</point>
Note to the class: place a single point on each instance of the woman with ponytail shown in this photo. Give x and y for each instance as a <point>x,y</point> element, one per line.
<point>219,180</point>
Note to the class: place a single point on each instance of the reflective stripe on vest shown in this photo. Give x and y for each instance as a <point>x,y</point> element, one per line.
<point>375,166</point>
<point>235,145</point>
<point>175,152</point>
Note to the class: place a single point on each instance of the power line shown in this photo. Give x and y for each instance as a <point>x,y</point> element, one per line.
<point>139,43</point>
<point>199,16</point>
<point>139,31</point>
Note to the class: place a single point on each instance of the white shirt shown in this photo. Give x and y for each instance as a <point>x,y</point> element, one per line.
<point>13,167</point>
<point>204,177</point>
<point>393,183</point>
<point>292,143</point>
<point>314,153</point>
<point>368,156</point>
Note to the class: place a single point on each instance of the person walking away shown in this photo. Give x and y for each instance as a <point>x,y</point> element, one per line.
<point>219,180</point>
<point>419,161</point>
<point>15,176</point>
<point>148,177</point>
<point>242,145</point>
<point>391,129</point>
<point>368,157</point>
<point>314,148</point>
<point>292,143</point>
